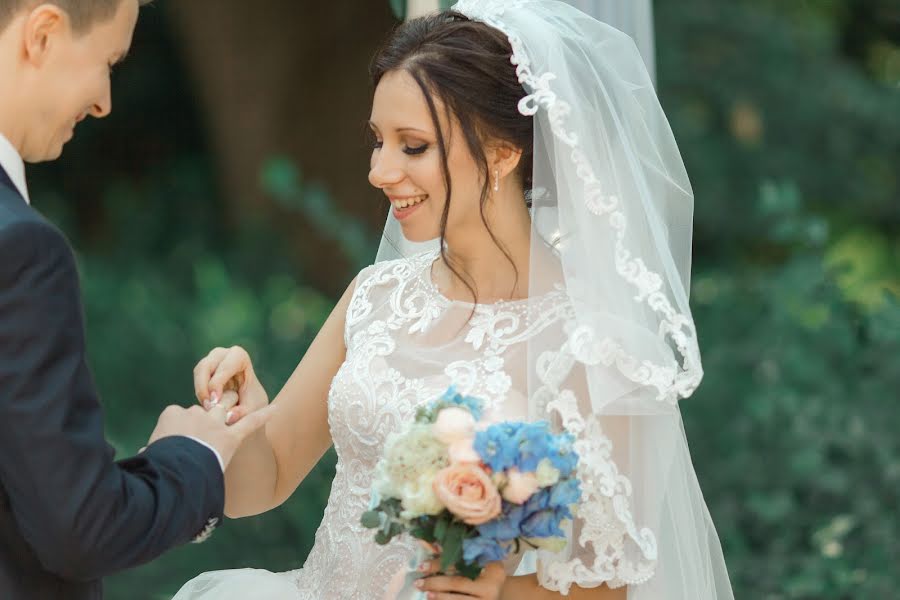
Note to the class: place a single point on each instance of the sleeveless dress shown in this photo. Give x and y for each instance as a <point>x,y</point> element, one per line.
<point>406,344</point>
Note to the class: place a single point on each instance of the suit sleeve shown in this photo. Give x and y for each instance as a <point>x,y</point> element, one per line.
<point>84,515</point>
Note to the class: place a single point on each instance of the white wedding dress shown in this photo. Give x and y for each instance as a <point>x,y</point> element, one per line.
<point>406,344</point>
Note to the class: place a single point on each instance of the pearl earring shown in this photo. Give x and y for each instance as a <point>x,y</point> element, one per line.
<point>496,181</point>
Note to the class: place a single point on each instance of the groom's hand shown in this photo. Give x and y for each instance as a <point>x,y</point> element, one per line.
<point>210,427</point>
<point>229,368</point>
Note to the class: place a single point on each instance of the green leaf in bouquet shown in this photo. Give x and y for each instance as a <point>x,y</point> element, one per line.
<point>372,519</point>
<point>451,548</point>
<point>440,526</point>
<point>386,534</point>
<point>425,415</point>
<point>467,570</point>
<point>392,506</point>
<point>391,527</point>
<point>381,538</point>
<point>396,528</point>
<point>423,533</point>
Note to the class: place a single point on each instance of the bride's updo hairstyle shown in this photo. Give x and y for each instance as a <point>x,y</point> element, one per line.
<point>466,64</point>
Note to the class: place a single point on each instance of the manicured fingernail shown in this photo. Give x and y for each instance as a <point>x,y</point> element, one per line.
<point>214,399</point>
<point>424,566</point>
<point>206,405</point>
<point>420,583</point>
<point>228,416</point>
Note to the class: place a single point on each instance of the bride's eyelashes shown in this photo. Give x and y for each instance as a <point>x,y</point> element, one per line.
<point>416,150</point>
<point>412,151</point>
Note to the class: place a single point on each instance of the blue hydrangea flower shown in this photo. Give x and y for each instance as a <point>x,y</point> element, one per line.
<point>507,526</point>
<point>563,455</point>
<point>453,398</point>
<point>498,445</point>
<point>565,493</point>
<point>538,501</point>
<point>535,444</point>
<point>542,524</point>
<point>482,550</point>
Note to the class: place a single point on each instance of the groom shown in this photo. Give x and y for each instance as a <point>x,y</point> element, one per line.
<point>69,514</point>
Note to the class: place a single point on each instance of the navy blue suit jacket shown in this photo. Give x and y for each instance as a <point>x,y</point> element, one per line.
<point>69,513</point>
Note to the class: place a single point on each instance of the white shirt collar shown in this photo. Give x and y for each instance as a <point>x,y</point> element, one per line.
<point>13,165</point>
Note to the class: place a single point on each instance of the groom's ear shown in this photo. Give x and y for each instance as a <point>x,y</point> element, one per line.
<point>44,26</point>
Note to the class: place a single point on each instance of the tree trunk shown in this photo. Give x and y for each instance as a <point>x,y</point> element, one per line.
<point>287,78</point>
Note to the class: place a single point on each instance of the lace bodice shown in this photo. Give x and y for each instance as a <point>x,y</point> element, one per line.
<point>406,344</point>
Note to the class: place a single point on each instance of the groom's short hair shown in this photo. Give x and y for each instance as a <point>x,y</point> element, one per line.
<point>83,13</point>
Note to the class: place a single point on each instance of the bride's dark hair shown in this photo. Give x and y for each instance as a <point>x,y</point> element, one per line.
<point>466,64</point>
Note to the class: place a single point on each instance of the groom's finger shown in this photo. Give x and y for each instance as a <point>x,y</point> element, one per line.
<point>253,421</point>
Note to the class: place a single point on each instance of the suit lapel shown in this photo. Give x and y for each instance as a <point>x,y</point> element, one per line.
<point>5,180</point>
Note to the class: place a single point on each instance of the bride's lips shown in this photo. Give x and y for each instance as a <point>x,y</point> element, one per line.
<point>405,212</point>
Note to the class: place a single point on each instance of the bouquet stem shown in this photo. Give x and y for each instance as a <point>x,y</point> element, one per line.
<point>409,591</point>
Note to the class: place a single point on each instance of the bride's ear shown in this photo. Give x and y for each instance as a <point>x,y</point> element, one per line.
<point>503,158</point>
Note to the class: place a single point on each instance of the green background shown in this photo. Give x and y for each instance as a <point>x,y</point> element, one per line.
<point>225,202</point>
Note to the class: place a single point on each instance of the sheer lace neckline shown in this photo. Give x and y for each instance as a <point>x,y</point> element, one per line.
<point>426,275</point>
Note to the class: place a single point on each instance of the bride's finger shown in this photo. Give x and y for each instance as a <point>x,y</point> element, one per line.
<point>203,371</point>
<point>236,363</point>
<point>226,404</point>
<point>430,567</point>
<point>236,414</point>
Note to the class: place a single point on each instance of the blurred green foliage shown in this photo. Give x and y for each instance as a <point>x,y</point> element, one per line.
<point>787,117</point>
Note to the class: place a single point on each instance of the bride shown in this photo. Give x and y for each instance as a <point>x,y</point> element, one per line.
<point>526,141</point>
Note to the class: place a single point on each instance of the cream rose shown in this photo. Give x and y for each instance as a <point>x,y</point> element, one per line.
<point>467,492</point>
<point>520,486</point>
<point>454,424</point>
<point>546,473</point>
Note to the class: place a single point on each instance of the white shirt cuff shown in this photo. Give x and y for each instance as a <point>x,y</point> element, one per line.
<point>214,451</point>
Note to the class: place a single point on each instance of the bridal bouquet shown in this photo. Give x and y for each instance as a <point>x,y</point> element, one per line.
<point>476,491</point>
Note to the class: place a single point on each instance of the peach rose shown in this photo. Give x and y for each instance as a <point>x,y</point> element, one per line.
<point>520,486</point>
<point>467,492</point>
<point>454,424</point>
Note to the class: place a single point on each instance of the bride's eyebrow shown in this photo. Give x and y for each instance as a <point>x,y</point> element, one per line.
<point>374,128</point>
<point>411,129</point>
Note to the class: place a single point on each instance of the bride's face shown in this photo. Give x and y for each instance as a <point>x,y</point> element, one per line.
<point>406,161</point>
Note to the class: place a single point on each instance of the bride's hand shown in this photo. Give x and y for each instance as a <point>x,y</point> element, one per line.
<point>229,368</point>
<point>488,586</point>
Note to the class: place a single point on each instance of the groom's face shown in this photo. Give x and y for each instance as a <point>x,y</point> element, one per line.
<point>69,77</point>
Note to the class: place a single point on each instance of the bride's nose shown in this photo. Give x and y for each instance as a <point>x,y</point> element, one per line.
<point>385,170</point>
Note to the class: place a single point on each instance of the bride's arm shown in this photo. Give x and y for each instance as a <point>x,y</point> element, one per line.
<point>271,464</point>
<point>526,586</point>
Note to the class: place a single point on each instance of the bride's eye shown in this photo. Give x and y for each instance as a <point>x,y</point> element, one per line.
<point>377,144</point>
<point>416,150</point>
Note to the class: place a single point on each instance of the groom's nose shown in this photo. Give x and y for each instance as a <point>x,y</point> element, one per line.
<point>103,104</point>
